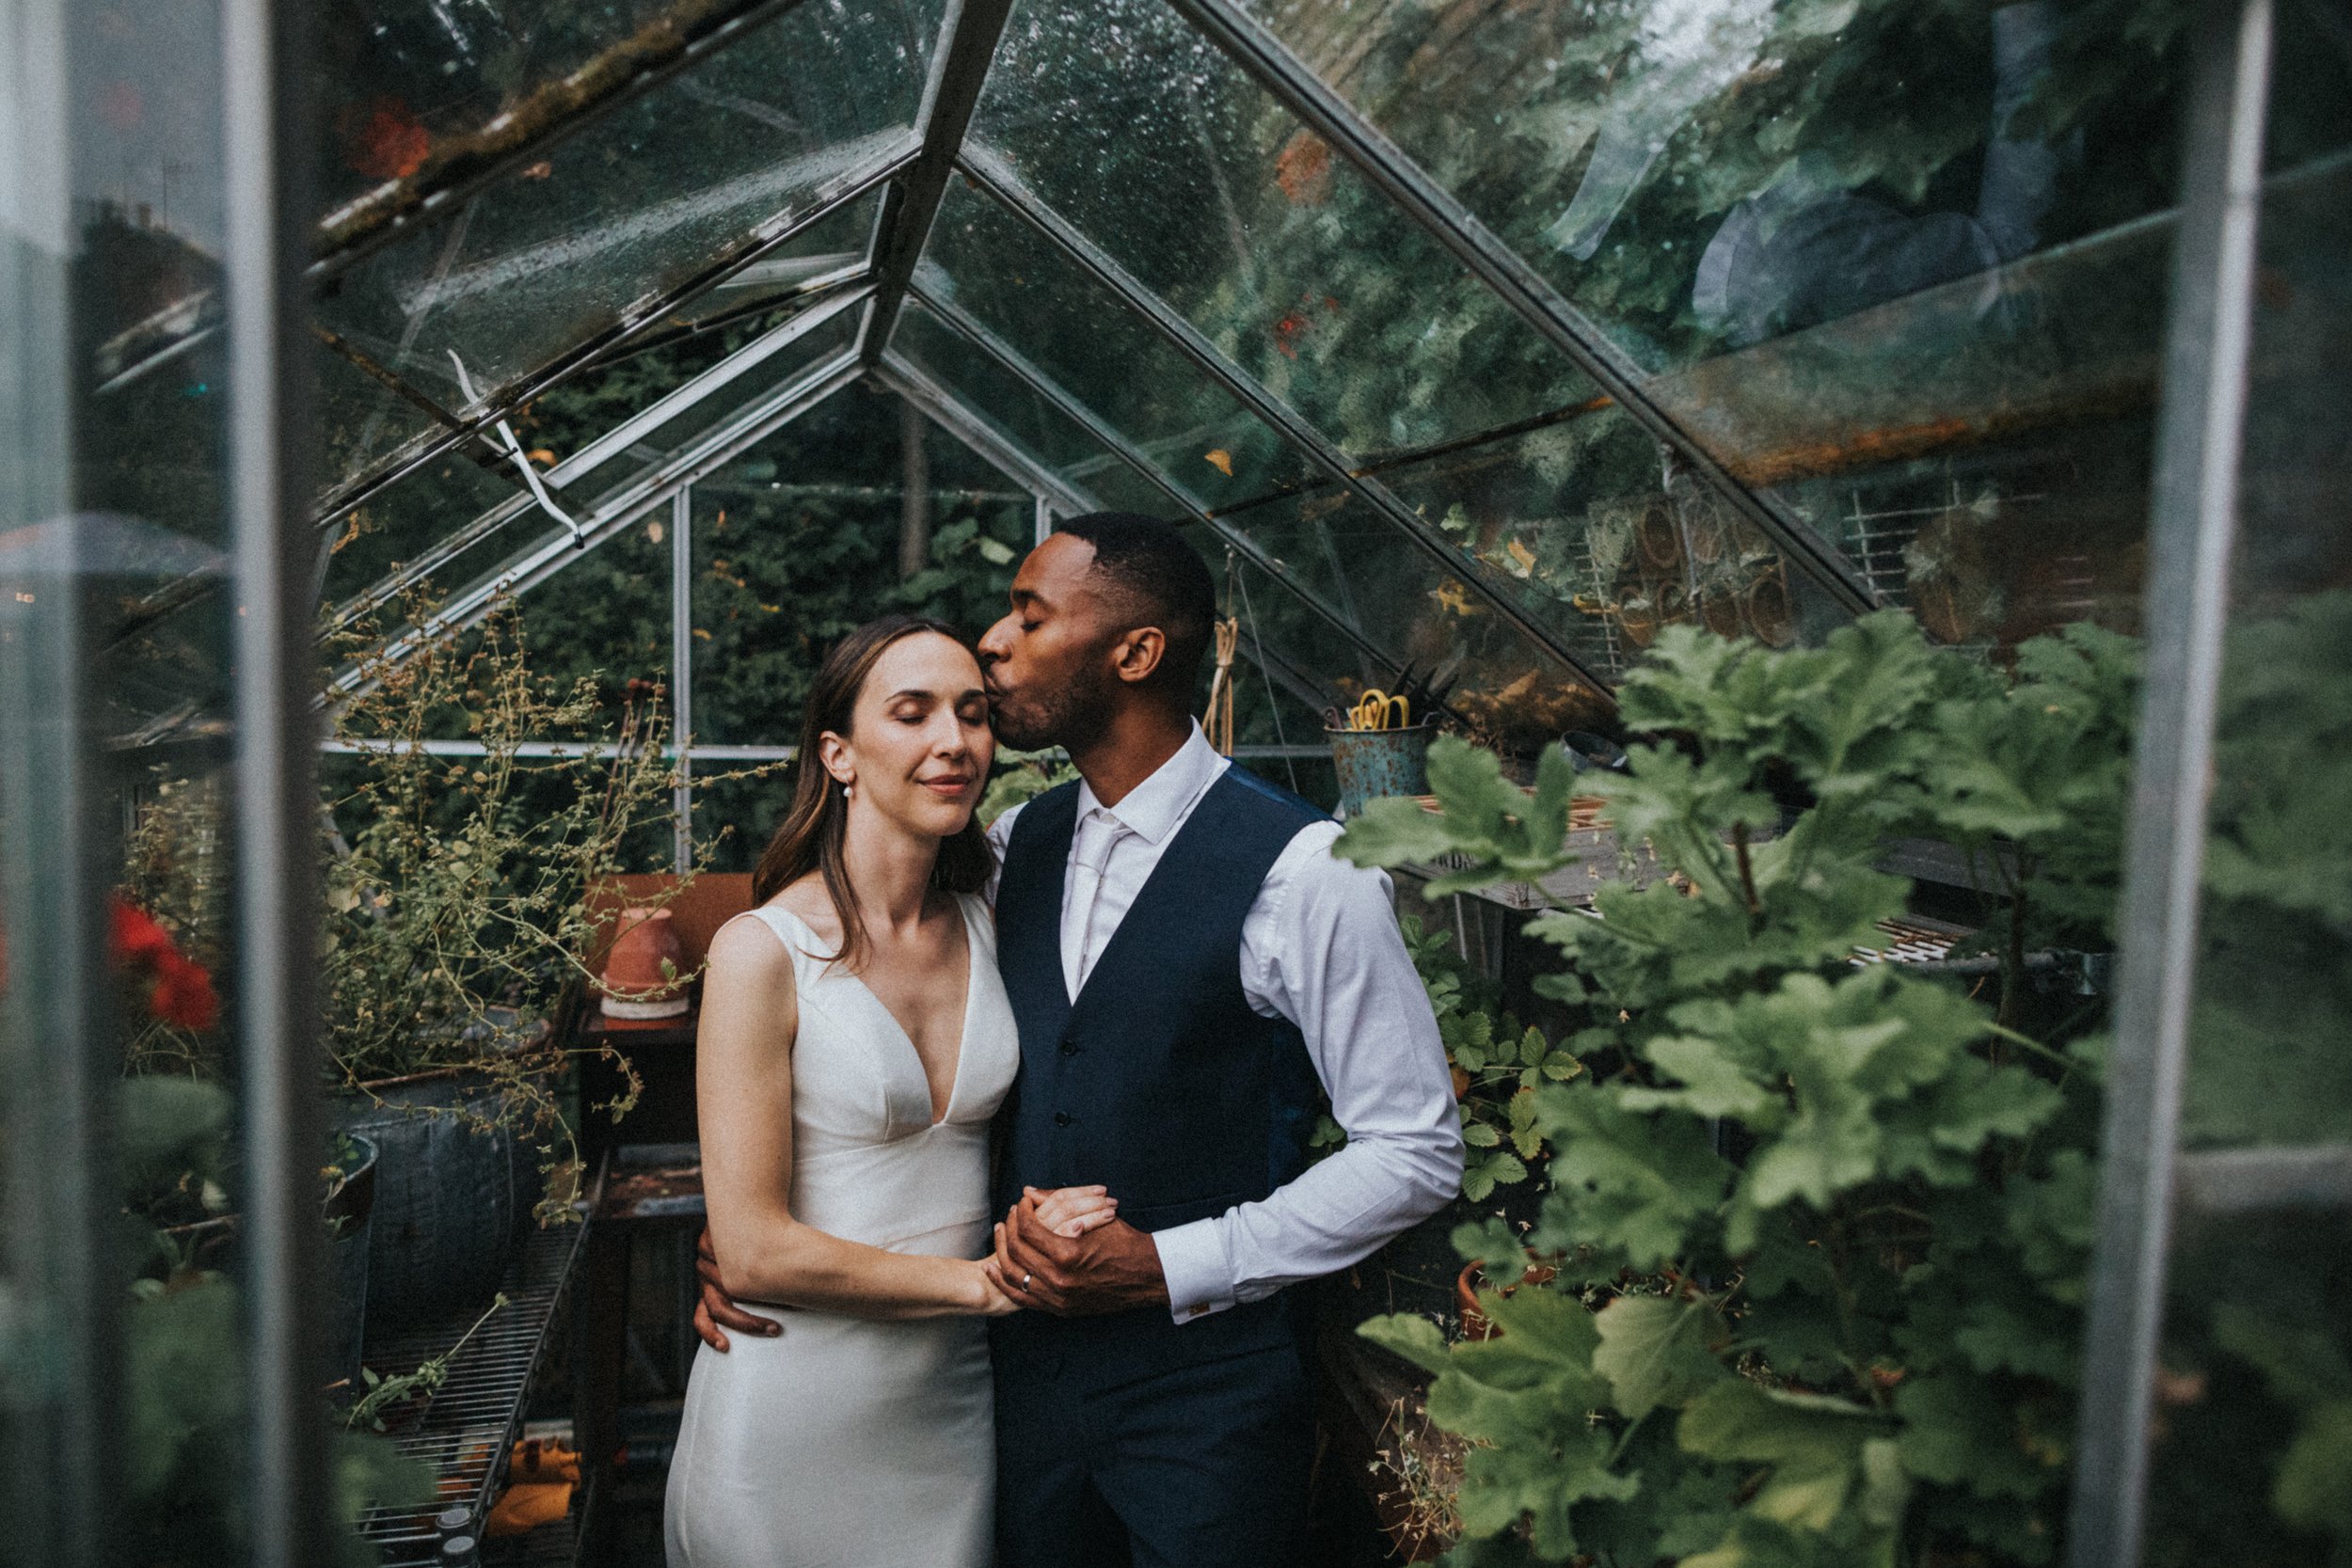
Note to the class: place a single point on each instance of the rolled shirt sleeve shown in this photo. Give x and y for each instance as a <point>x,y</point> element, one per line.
<point>1321,948</point>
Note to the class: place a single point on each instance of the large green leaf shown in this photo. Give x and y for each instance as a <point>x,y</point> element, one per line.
<point>1658,1350</point>
<point>1635,1185</point>
<point>1812,1447</point>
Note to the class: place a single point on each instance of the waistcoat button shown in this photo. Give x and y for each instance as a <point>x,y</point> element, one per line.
<point>1063,1118</point>
<point>1069,1046</point>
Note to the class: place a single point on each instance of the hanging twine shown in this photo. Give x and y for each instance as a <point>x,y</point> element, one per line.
<point>1219,721</point>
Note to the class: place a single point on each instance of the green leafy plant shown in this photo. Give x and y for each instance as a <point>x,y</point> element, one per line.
<point>184,1393</point>
<point>1866,1194</point>
<point>1022,777</point>
<point>1498,1064</point>
<point>459,889</point>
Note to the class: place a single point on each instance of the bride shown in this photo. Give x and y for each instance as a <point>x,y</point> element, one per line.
<point>854,1043</point>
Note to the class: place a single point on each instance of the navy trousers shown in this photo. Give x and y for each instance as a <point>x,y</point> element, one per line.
<point>1197,1467</point>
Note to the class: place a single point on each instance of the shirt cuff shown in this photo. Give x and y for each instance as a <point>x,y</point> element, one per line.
<point>1192,1261</point>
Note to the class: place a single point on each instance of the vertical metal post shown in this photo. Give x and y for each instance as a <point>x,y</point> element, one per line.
<point>268,152</point>
<point>2191,527</point>
<point>1045,521</point>
<point>59,1055</point>
<point>682,672</point>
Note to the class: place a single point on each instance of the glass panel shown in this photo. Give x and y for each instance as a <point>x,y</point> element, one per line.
<point>1266,712</point>
<point>366,543</point>
<point>364,418</point>
<point>998,270</point>
<point>1936,332</point>
<point>799,541</point>
<point>1595,540</point>
<point>605,617</point>
<point>738,809</point>
<point>1401,601</point>
<point>453,495</point>
<point>148,205</point>
<point>1031,424</point>
<point>121,1331</point>
<point>395,79</point>
<point>840,239</point>
<point>2253,1458</point>
<point>636,204</point>
<point>1704,176</point>
<point>1161,151</point>
<point>1991,545</point>
<point>361,417</point>
<point>573,415</point>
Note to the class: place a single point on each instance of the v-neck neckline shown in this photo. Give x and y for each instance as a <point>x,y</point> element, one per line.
<point>963,1034</point>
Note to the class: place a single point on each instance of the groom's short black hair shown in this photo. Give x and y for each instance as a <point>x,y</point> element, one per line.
<point>1158,580</point>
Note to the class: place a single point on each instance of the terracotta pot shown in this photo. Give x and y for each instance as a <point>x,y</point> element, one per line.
<point>1706,541</point>
<point>1767,608</point>
<point>634,968</point>
<point>1721,613</point>
<point>1466,1289</point>
<point>1660,535</point>
<point>1639,623</point>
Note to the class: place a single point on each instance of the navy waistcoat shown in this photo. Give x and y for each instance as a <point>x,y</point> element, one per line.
<point>1160,1080</point>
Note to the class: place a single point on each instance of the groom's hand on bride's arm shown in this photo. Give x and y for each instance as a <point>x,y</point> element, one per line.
<point>1109,1268</point>
<point>716,1311</point>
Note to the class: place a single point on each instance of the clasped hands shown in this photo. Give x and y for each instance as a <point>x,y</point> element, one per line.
<point>1090,1263</point>
<point>1063,1251</point>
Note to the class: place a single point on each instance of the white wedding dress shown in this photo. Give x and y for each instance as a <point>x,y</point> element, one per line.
<point>846,1442</point>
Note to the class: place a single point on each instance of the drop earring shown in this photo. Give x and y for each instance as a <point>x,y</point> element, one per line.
<point>848,792</point>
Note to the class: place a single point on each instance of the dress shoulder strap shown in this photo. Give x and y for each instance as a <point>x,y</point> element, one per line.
<point>810,955</point>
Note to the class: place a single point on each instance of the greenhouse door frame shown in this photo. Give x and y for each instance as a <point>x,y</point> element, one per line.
<point>2192,527</point>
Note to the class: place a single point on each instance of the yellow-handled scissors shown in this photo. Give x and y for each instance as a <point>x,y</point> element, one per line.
<point>1377,710</point>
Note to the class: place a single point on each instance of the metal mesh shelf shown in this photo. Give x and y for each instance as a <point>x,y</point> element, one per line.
<point>469,1428</point>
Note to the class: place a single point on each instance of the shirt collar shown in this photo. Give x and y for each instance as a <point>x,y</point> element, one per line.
<point>1153,809</point>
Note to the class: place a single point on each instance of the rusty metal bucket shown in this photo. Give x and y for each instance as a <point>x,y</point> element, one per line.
<point>1373,763</point>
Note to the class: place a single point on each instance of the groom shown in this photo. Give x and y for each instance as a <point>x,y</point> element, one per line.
<point>1188,965</point>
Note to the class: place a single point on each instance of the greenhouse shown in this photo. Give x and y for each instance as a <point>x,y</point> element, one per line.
<point>1806,540</point>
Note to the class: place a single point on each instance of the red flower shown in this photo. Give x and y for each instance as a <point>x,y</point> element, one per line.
<point>182,994</point>
<point>135,935</point>
<point>1299,320</point>
<point>1286,334</point>
<point>389,142</point>
<point>1303,170</point>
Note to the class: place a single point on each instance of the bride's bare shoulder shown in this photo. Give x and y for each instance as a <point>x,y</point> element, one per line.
<point>752,944</point>
<point>749,948</point>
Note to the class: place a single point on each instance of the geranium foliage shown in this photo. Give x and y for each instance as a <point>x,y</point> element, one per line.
<point>1866,1194</point>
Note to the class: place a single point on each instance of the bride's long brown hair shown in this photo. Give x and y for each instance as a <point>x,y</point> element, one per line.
<point>811,836</point>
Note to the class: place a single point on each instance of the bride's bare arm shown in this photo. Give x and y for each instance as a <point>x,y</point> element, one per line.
<point>744,1094</point>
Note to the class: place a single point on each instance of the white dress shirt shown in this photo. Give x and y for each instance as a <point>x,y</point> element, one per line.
<point>1321,948</point>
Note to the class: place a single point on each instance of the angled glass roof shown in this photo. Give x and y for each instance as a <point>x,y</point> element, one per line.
<point>1153,144</point>
<point>659,197</point>
<point>1502,344</point>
